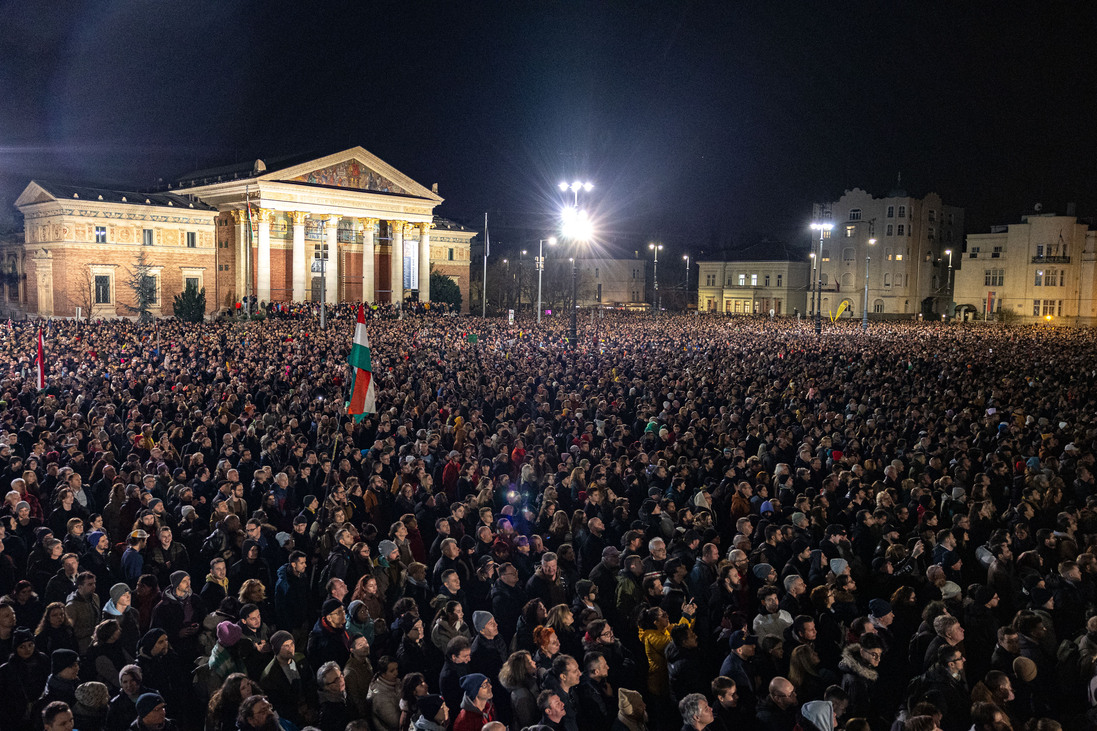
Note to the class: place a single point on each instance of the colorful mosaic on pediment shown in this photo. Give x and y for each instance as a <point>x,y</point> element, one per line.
<point>351,174</point>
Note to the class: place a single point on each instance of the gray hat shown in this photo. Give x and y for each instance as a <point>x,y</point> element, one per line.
<point>117,591</point>
<point>385,548</point>
<point>480,620</point>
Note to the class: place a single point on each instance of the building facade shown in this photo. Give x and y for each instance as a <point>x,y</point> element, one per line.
<point>1040,268</point>
<point>346,226</point>
<point>752,287</point>
<point>907,266</point>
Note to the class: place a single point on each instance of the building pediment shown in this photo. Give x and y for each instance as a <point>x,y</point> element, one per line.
<point>34,193</point>
<point>354,169</point>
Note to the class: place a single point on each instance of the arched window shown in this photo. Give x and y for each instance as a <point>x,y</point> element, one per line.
<point>848,254</point>
<point>887,279</point>
<point>847,280</point>
<point>878,306</point>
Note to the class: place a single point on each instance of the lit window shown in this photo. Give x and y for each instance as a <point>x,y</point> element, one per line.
<point>742,280</point>
<point>754,280</point>
<point>100,234</point>
<point>850,230</point>
<point>898,257</point>
<point>826,255</point>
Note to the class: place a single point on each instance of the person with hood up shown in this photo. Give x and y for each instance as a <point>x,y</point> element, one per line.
<point>632,712</point>
<point>817,716</point>
<point>476,706</point>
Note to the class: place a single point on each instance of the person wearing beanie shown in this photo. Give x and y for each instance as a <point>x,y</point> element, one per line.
<point>227,657</point>
<point>24,675</point>
<point>489,652</point>
<point>180,614</point>
<point>90,711</point>
<point>163,669</point>
<point>329,639</point>
<point>286,678</point>
<point>152,714</point>
<point>476,705</point>
<point>433,713</point>
<point>632,712</point>
<point>97,560</point>
<point>63,679</point>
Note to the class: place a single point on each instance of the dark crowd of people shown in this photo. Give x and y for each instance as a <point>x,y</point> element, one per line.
<point>680,522</point>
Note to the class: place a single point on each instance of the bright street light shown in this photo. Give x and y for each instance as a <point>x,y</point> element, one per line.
<point>823,228</point>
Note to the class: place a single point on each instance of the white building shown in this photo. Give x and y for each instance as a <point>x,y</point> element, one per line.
<point>766,277</point>
<point>907,266</point>
<point>1042,267</point>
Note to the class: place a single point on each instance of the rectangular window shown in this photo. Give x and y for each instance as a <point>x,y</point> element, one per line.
<point>890,229</point>
<point>449,255</point>
<point>902,211</point>
<point>191,283</point>
<point>997,253</point>
<point>1049,307</point>
<point>100,234</point>
<point>1059,311</point>
<point>192,239</point>
<point>779,279</point>
<point>1035,308</point>
<point>900,229</point>
<point>891,211</point>
<point>1038,280</point>
<point>898,257</point>
<point>599,295</point>
<point>931,232</point>
<point>855,214</point>
<point>766,281</point>
<point>154,290</point>
<point>754,280</point>
<point>1040,251</point>
<point>742,280</point>
<point>146,236</point>
<point>850,230</point>
<point>826,254</point>
<point>1051,279</point>
<point>932,215</point>
<point>102,289</point>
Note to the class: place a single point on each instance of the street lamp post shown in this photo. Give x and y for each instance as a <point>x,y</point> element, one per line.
<point>540,269</point>
<point>822,228</point>
<point>686,257</point>
<point>811,284</point>
<point>323,278</point>
<point>655,302</point>
<point>521,254</point>
<point>577,228</point>
<point>864,314</point>
<point>950,297</point>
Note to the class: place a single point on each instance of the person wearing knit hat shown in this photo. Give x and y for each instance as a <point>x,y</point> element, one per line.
<point>480,620</point>
<point>1024,669</point>
<point>278,639</point>
<point>762,571</point>
<point>631,709</point>
<point>385,549</point>
<point>91,701</point>
<point>435,713</point>
<point>879,608</point>
<point>63,659</point>
<point>228,634</point>
<point>20,636</point>
<point>151,711</point>
<point>839,566</point>
<point>473,683</point>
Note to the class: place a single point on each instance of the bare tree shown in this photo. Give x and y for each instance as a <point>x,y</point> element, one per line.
<point>83,294</point>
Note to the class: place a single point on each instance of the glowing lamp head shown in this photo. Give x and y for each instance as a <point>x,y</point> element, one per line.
<point>871,241</point>
<point>552,240</point>
<point>577,225</point>
<point>563,186</point>
<point>588,186</point>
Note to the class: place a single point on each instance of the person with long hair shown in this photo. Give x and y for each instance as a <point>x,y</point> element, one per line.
<point>107,655</point>
<point>412,687</point>
<point>225,702</point>
<point>519,676</point>
<point>55,631</point>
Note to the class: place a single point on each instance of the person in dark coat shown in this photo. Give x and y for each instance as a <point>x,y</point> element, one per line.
<point>23,678</point>
<point>595,698</point>
<point>859,665</point>
<point>684,663</point>
<point>180,613</point>
<point>507,600</point>
<point>455,667</point>
<point>328,640</point>
<point>291,593</point>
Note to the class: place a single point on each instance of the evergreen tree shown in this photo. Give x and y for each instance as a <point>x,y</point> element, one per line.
<point>142,284</point>
<point>190,304</point>
<point>444,289</point>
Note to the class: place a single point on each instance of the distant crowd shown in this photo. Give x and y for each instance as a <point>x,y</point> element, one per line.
<point>672,523</point>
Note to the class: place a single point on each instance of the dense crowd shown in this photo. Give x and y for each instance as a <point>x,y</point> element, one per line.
<point>680,522</point>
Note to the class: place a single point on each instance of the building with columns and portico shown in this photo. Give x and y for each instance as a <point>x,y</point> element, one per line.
<point>346,226</point>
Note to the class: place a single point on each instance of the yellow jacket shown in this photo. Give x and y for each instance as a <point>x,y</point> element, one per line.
<point>655,645</point>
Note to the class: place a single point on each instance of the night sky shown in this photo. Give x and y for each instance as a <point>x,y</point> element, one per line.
<point>706,125</point>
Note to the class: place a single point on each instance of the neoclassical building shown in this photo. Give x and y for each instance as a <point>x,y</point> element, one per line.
<point>347,226</point>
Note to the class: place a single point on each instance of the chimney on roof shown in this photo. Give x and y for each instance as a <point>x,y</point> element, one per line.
<point>434,188</point>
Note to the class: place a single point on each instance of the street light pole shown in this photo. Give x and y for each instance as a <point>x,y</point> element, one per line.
<point>686,257</point>
<point>323,278</point>
<point>540,269</point>
<point>520,255</point>
<point>577,228</point>
<point>655,271</point>
<point>950,297</point>
<point>574,299</point>
<point>864,314</point>
<point>822,228</point>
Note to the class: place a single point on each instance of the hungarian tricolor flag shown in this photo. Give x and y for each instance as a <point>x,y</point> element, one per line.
<point>363,397</point>
<point>41,362</point>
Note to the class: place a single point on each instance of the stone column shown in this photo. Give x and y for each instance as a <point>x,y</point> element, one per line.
<point>368,257</point>
<point>396,228</point>
<point>331,282</point>
<point>424,262</point>
<point>263,256</point>
<point>241,254</point>
<point>300,256</point>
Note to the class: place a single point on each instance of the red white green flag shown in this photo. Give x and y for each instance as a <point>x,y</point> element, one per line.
<point>363,396</point>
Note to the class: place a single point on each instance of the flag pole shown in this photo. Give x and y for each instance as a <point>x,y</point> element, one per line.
<point>484,287</point>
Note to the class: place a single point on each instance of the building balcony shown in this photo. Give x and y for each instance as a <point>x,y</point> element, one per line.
<point>1051,260</point>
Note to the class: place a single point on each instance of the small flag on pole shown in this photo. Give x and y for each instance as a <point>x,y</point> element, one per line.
<point>41,362</point>
<point>363,396</point>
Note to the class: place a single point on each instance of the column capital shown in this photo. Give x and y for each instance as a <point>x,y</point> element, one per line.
<point>298,217</point>
<point>425,227</point>
<point>332,218</point>
<point>266,215</point>
<point>409,228</point>
<point>397,226</point>
<point>368,222</point>
<point>237,215</point>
